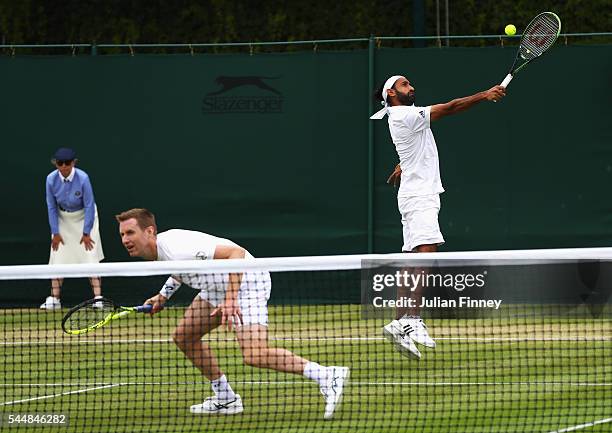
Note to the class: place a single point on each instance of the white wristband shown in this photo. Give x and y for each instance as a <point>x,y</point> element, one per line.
<point>170,287</point>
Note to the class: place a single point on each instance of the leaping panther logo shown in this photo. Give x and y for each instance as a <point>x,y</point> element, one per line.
<point>228,83</point>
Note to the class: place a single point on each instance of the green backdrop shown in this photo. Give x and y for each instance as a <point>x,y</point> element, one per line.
<point>280,164</point>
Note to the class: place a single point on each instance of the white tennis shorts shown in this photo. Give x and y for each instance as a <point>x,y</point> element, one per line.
<point>253,295</point>
<point>420,221</point>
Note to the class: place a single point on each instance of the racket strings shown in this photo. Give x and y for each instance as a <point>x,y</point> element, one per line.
<point>90,315</point>
<point>539,35</point>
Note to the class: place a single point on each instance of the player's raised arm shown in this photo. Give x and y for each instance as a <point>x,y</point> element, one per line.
<point>494,94</point>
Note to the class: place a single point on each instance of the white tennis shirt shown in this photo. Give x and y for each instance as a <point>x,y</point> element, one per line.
<point>177,244</point>
<point>415,144</point>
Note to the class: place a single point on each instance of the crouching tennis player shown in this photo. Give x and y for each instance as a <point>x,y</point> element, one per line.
<point>236,300</point>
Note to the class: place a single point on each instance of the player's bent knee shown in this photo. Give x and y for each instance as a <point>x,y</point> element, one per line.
<point>183,338</point>
<point>253,359</point>
<point>178,339</point>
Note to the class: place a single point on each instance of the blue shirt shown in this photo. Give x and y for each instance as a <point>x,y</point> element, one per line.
<point>71,196</point>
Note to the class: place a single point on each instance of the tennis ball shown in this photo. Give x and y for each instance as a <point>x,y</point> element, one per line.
<point>510,30</point>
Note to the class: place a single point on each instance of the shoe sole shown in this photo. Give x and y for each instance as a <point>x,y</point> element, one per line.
<point>230,411</point>
<point>223,412</point>
<point>429,345</point>
<point>234,412</point>
<point>344,382</point>
<point>401,349</point>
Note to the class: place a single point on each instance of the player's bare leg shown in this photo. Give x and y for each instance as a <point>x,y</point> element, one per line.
<point>417,293</point>
<point>256,352</point>
<point>408,328</point>
<point>197,322</point>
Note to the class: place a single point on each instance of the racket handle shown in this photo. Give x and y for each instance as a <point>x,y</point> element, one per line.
<point>506,80</point>
<point>144,308</point>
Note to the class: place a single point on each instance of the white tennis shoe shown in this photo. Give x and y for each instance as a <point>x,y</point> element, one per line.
<point>394,332</point>
<point>212,405</point>
<point>51,303</point>
<point>332,390</point>
<point>417,330</point>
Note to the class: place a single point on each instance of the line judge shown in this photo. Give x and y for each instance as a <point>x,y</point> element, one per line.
<point>73,219</point>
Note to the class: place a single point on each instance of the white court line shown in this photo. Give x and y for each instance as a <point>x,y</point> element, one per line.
<point>439,383</point>
<point>484,383</point>
<point>593,338</point>
<point>581,426</point>
<point>8,403</point>
<point>169,340</point>
<point>295,382</point>
<point>479,339</point>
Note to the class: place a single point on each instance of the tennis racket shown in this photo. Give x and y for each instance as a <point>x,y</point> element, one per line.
<point>539,35</point>
<point>95,313</point>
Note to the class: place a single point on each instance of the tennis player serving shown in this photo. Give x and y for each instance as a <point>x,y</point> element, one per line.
<point>238,301</point>
<point>418,197</point>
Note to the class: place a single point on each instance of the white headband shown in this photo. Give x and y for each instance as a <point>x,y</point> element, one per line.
<point>388,84</point>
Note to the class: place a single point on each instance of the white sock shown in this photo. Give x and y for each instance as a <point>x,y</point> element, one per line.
<point>316,372</point>
<point>222,389</point>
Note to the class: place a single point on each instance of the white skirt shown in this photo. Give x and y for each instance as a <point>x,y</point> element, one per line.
<point>72,251</point>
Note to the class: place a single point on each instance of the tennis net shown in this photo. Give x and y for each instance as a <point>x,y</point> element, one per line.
<point>523,343</point>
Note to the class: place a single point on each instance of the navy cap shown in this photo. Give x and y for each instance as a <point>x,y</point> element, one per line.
<point>64,154</point>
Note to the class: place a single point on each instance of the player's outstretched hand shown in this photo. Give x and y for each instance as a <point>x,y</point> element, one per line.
<point>230,313</point>
<point>157,301</point>
<point>495,93</point>
<point>395,177</point>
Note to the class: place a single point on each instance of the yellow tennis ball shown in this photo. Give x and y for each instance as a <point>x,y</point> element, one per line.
<point>510,30</point>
